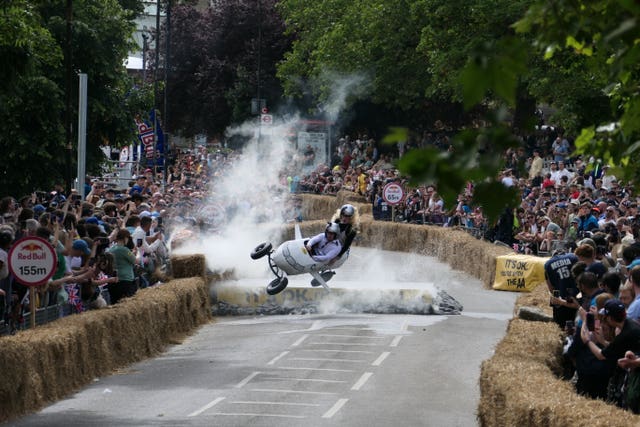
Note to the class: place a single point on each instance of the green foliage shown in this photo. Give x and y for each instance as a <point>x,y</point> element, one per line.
<point>602,36</point>
<point>32,86</point>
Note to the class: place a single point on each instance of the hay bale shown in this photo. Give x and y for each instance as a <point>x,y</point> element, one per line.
<point>44,364</point>
<point>188,266</point>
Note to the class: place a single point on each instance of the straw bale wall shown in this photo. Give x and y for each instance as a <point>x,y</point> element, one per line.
<point>49,362</point>
<point>520,384</point>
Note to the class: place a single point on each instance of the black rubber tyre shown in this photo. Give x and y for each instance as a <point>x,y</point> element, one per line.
<point>277,285</point>
<point>261,250</point>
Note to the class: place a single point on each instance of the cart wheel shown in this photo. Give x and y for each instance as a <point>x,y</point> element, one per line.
<point>277,285</point>
<point>261,250</point>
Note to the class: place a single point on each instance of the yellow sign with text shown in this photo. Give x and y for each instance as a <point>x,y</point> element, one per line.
<point>519,273</point>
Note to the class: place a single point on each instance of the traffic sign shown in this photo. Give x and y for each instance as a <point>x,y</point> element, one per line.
<point>32,261</point>
<point>393,193</point>
<point>265,110</point>
<point>266,119</point>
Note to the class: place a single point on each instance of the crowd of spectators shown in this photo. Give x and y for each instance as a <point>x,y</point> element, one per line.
<point>110,241</point>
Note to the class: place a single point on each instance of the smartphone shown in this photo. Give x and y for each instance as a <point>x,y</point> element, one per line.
<point>556,294</point>
<point>139,242</point>
<point>159,221</point>
<point>591,322</point>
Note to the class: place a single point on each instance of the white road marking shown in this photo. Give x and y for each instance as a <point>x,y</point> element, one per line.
<point>363,379</point>
<point>297,343</point>
<point>323,359</point>
<point>343,343</point>
<point>250,414</point>
<point>405,325</point>
<point>335,350</point>
<point>205,407</point>
<point>277,390</point>
<point>315,369</point>
<point>275,359</point>
<point>246,380</point>
<point>380,359</point>
<point>247,402</point>
<point>349,336</point>
<point>395,341</point>
<point>303,379</point>
<point>335,408</point>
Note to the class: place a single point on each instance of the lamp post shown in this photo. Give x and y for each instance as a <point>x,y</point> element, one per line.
<point>145,45</point>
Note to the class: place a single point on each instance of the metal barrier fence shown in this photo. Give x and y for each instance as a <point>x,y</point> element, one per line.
<point>43,315</point>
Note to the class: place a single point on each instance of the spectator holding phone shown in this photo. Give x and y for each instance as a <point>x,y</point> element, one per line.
<point>614,315</point>
<point>124,261</point>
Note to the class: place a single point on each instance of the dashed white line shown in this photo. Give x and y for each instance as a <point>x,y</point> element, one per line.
<point>275,359</point>
<point>277,390</point>
<point>249,402</point>
<point>205,407</point>
<point>343,343</point>
<point>380,359</point>
<point>246,380</point>
<point>395,341</point>
<point>405,325</point>
<point>297,343</point>
<point>302,379</point>
<point>334,350</point>
<point>314,369</point>
<point>335,408</point>
<point>326,359</point>
<point>261,414</point>
<point>363,379</point>
<point>349,336</point>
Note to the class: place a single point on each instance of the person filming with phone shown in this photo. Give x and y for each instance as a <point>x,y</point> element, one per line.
<point>627,338</point>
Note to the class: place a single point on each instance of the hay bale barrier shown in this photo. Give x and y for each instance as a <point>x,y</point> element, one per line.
<point>520,385</point>
<point>49,362</point>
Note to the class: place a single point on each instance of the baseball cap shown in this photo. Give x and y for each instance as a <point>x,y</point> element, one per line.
<point>81,245</point>
<point>613,307</point>
<point>38,209</point>
<point>92,220</point>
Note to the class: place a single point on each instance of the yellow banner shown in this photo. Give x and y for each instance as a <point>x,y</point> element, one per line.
<point>519,273</point>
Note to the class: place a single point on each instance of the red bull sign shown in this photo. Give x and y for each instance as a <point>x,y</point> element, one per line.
<point>32,261</point>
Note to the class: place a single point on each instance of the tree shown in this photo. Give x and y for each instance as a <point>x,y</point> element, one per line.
<point>32,137</point>
<point>214,61</point>
<point>602,36</point>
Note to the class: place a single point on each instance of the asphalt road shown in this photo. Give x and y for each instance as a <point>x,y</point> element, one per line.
<point>308,370</point>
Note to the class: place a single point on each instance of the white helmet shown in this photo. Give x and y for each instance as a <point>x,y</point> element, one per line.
<point>347,210</point>
<point>332,227</point>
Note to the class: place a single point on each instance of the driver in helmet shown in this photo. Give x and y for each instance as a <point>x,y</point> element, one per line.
<point>347,219</point>
<point>325,246</point>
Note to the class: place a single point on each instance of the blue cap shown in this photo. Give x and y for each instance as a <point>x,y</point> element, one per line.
<point>135,189</point>
<point>38,209</point>
<point>81,245</point>
<point>92,220</point>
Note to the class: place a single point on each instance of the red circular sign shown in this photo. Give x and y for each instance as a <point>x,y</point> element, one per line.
<point>392,193</point>
<point>32,261</point>
<point>265,110</point>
